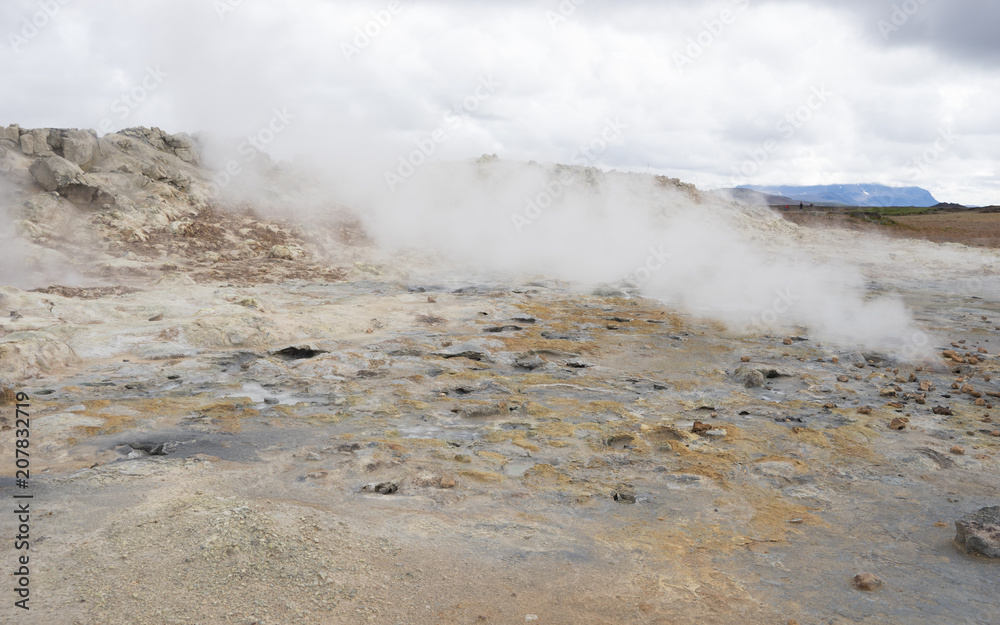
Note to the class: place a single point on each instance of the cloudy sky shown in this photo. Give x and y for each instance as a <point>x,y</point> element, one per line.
<point>720,93</point>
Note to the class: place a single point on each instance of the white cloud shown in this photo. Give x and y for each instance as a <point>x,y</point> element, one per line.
<point>559,83</point>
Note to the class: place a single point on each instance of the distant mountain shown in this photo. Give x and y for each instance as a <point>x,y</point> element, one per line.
<point>752,197</point>
<point>852,194</point>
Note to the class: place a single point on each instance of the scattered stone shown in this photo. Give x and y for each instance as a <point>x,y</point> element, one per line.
<point>865,410</point>
<point>312,455</point>
<point>299,352</point>
<point>382,488</point>
<point>980,533</point>
<point>787,341</point>
<point>954,356</point>
<point>158,317</point>
<point>867,582</point>
<point>942,410</point>
<point>751,378</point>
<point>447,481</point>
<point>624,495</point>
<point>899,423</point>
<point>843,378</point>
<point>55,173</point>
<point>958,451</point>
<point>153,449</point>
<point>700,428</point>
<point>745,359</point>
<point>499,329</point>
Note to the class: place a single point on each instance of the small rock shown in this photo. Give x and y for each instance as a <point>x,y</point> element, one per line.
<point>700,428</point>
<point>281,252</point>
<point>843,378</point>
<point>751,378</point>
<point>958,451</point>
<point>382,488</point>
<point>313,456</point>
<point>624,496</point>
<point>867,582</point>
<point>942,410</point>
<point>980,533</point>
<point>865,410</point>
<point>745,359</point>
<point>157,317</point>
<point>787,341</point>
<point>899,423</point>
<point>447,481</point>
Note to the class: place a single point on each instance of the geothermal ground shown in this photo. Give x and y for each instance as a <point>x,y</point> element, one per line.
<point>240,419</point>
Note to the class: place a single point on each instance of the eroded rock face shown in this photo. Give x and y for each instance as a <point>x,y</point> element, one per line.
<point>23,354</point>
<point>55,173</point>
<point>980,533</point>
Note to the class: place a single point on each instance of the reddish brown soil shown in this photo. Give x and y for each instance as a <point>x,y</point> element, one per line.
<point>973,229</point>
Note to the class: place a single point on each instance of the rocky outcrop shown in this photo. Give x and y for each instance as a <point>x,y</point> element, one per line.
<point>980,533</point>
<point>55,173</point>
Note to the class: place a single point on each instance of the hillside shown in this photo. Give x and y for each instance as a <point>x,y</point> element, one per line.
<point>852,194</point>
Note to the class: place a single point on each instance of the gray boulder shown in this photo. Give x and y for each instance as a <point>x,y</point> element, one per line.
<point>54,173</point>
<point>980,533</point>
<point>11,133</point>
<point>35,142</point>
<point>79,147</point>
<point>749,377</point>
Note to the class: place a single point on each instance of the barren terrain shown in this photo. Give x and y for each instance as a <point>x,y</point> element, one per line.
<point>239,418</point>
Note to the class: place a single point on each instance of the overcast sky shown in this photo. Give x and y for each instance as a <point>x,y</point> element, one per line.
<point>715,93</point>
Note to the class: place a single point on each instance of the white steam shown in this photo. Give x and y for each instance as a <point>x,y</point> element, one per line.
<point>741,265</point>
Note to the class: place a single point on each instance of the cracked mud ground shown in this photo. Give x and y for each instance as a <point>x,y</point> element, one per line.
<point>497,452</point>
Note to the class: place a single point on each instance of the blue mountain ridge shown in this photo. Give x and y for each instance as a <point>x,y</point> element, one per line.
<point>851,194</point>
